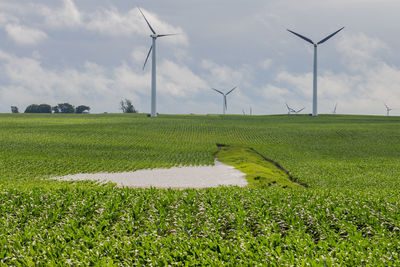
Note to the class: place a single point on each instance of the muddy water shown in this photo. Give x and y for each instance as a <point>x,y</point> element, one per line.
<point>176,177</point>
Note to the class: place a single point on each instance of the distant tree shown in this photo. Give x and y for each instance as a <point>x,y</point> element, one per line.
<point>66,108</point>
<point>81,109</point>
<point>14,109</point>
<point>127,107</point>
<point>32,109</point>
<point>44,108</point>
<point>55,109</point>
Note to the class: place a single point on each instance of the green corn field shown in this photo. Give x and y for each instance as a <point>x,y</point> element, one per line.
<point>346,213</point>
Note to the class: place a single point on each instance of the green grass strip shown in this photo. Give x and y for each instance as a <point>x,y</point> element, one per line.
<point>260,171</point>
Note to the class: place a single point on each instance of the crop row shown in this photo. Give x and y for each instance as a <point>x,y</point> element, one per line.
<point>325,152</point>
<point>347,216</point>
<point>211,226</point>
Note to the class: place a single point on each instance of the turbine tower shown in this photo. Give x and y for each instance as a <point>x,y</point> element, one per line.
<point>388,110</point>
<point>315,112</point>
<point>334,110</point>
<point>154,37</point>
<point>224,103</point>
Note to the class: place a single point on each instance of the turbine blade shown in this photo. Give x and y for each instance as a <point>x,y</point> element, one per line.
<point>231,90</point>
<point>162,35</point>
<point>300,110</point>
<point>218,91</point>
<point>148,54</point>
<point>329,36</point>
<point>151,28</point>
<point>289,108</point>
<point>302,37</point>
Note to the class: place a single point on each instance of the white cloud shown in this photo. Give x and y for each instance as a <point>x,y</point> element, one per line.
<point>67,16</point>
<point>224,76</point>
<point>27,82</point>
<point>110,22</point>
<point>139,54</point>
<point>360,51</point>
<point>126,80</point>
<point>6,18</point>
<point>113,23</point>
<point>301,83</point>
<point>330,85</point>
<point>178,80</point>
<point>266,64</point>
<point>23,35</point>
<point>275,93</point>
<point>360,45</point>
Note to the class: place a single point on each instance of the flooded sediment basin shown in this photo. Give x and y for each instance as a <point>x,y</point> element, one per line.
<point>177,177</point>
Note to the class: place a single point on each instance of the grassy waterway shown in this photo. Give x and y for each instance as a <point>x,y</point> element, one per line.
<point>348,214</point>
<point>260,172</point>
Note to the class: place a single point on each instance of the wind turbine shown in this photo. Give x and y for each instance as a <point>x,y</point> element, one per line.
<point>387,110</point>
<point>334,110</point>
<point>154,37</point>
<point>315,112</point>
<point>224,103</point>
<point>290,110</point>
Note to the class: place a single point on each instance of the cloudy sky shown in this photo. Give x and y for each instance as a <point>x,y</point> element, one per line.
<point>92,51</point>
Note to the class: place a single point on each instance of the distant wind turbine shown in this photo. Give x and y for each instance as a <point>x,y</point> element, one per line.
<point>290,110</point>
<point>154,36</point>
<point>388,110</point>
<point>334,110</point>
<point>224,103</point>
<point>315,112</point>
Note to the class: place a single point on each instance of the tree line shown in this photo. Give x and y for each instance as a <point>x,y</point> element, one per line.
<point>46,108</point>
<point>125,105</point>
